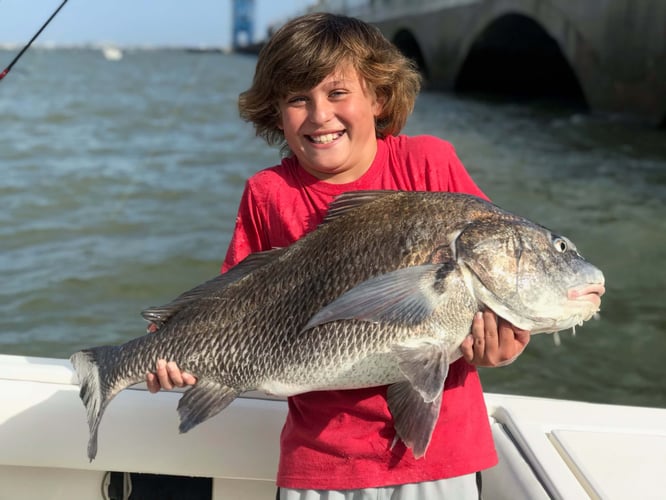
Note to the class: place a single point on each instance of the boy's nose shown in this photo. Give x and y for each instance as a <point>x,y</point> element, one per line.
<point>320,111</point>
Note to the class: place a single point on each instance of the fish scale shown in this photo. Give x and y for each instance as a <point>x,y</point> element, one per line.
<point>383,292</point>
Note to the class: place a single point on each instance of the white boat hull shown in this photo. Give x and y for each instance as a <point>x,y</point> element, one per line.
<point>548,448</point>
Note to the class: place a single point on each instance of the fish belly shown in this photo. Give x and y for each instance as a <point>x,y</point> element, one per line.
<point>375,370</point>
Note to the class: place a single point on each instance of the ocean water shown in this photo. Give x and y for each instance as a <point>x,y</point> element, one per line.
<point>119,183</point>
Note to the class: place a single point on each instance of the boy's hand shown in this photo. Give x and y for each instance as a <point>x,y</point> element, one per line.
<point>493,341</point>
<point>167,376</point>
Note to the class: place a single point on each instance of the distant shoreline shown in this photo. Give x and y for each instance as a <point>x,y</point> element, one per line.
<point>126,48</point>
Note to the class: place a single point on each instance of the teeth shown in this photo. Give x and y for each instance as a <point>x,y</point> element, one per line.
<point>325,139</point>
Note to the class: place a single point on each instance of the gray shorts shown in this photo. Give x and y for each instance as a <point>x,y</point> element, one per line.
<point>456,488</point>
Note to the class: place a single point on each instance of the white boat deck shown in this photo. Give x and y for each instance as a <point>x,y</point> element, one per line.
<point>548,448</point>
<point>578,450</point>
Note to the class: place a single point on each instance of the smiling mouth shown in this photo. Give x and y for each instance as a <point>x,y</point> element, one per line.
<point>325,138</point>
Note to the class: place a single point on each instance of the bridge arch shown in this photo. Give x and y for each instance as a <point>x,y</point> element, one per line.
<point>607,57</point>
<point>515,55</point>
<point>409,46</point>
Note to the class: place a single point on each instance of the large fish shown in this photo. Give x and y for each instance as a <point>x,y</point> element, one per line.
<point>383,292</point>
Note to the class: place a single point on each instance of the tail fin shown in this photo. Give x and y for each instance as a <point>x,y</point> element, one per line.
<point>93,393</point>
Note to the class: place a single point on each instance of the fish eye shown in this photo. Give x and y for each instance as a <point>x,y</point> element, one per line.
<point>560,244</point>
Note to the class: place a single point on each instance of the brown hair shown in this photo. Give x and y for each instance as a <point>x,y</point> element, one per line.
<point>309,48</point>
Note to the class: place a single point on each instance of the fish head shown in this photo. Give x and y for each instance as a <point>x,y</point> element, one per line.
<point>528,275</point>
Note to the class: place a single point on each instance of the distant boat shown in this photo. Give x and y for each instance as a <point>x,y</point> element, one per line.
<point>112,53</point>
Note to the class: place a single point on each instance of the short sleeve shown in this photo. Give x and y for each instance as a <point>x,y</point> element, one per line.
<point>248,236</point>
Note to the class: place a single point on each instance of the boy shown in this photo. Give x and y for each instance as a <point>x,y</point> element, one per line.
<point>335,94</point>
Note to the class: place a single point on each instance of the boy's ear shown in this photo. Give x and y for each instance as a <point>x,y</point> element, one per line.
<point>380,101</point>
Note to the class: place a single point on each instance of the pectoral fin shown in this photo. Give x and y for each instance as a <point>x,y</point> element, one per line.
<point>414,418</point>
<point>202,401</point>
<point>407,296</point>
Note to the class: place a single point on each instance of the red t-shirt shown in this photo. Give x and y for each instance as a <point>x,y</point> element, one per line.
<point>336,440</point>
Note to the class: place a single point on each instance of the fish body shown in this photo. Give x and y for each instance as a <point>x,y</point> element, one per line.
<point>382,293</point>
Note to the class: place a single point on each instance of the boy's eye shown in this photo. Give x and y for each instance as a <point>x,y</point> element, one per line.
<point>295,99</point>
<point>337,93</point>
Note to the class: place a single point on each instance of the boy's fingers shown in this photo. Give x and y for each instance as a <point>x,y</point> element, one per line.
<point>151,382</point>
<point>467,348</point>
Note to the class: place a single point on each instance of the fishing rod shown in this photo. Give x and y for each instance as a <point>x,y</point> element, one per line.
<point>18,56</point>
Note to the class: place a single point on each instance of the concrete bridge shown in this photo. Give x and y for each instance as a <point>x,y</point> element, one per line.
<point>608,55</point>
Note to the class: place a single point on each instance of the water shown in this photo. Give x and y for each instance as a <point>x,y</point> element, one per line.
<point>119,184</point>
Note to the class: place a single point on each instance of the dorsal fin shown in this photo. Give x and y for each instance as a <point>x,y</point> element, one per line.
<point>352,199</point>
<point>161,314</point>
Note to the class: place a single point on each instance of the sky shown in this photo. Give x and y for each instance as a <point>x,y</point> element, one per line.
<point>136,22</point>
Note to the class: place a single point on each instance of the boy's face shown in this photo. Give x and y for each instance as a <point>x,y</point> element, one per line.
<point>331,127</point>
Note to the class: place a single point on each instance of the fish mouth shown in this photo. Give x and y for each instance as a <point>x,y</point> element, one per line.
<point>590,293</point>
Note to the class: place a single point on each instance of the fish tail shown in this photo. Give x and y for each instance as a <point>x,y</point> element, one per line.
<point>95,394</point>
